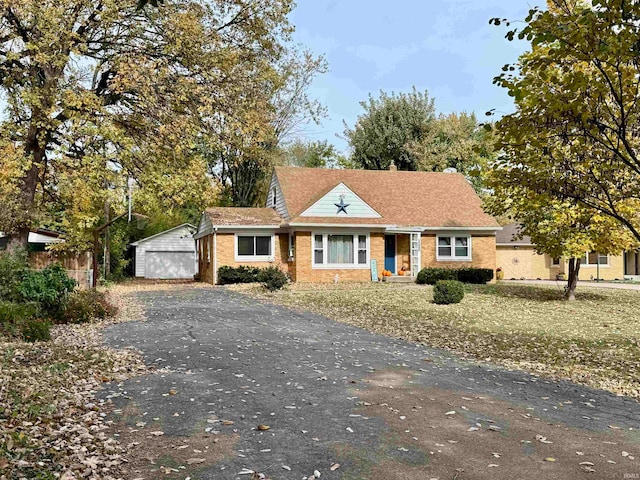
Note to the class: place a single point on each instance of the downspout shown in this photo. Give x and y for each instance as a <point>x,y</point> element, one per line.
<point>215,255</point>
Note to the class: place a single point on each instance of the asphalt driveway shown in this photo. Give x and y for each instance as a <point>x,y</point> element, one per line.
<point>228,364</point>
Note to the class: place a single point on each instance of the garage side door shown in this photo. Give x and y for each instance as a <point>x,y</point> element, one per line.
<point>169,264</point>
<point>516,264</point>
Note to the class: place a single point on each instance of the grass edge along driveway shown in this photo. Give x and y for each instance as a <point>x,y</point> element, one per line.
<point>594,340</point>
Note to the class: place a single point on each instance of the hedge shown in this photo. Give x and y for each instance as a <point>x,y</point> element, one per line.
<point>431,276</point>
<point>271,277</point>
<point>242,274</point>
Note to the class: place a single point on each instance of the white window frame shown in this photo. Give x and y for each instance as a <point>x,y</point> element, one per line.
<point>453,257</point>
<point>292,247</point>
<point>553,263</point>
<point>340,266</point>
<point>594,265</point>
<point>274,196</point>
<point>254,258</point>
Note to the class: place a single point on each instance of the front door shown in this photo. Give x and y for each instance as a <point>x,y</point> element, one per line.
<point>390,253</point>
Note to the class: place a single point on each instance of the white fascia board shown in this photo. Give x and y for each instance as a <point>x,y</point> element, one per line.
<point>246,227</point>
<point>461,229</point>
<point>337,225</point>
<point>135,244</point>
<point>233,228</point>
<point>394,228</point>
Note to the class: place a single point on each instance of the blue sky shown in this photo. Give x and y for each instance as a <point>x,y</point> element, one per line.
<point>446,47</point>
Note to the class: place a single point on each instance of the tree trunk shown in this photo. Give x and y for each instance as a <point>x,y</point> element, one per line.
<point>572,281</point>
<point>18,240</point>
<point>107,242</point>
<point>27,193</point>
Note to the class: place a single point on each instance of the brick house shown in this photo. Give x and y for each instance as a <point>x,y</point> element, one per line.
<point>322,225</point>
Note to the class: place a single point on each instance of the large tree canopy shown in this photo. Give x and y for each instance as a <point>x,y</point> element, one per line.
<point>404,129</point>
<point>98,91</point>
<point>574,136</point>
<point>389,124</point>
<point>455,141</point>
<point>241,149</point>
<point>311,154</point>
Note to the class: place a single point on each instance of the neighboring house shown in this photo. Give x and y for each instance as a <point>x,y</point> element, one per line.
<point>78,266</point>
<point>166,255</point>
<point>37,240</point>
<point>323,225</point>
<point>518,260</point>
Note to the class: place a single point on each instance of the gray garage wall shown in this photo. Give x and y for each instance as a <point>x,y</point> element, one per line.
<point>176,240</point>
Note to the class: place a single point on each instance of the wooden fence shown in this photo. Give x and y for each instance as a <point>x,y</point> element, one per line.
<point>78,267</point>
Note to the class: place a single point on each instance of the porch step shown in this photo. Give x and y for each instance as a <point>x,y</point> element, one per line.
<point>399,279</point>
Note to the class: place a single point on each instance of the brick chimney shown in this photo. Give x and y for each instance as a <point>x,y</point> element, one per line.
<point>392,167</point>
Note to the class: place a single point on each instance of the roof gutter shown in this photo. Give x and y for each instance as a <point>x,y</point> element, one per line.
<point>392,227</point>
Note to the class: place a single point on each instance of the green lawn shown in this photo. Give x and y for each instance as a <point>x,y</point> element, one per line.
<point>594,340</point>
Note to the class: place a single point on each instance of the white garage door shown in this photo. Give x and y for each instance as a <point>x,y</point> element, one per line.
<point>169,264</point>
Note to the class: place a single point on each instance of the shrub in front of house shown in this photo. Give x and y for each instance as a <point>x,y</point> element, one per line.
<point>474,275</point>
<point>13,315</point>
<point>50,288</point>
<point>13,269</point>
<point>242,274</point>
<point>20,320</point>
<point>429,276</point>
<point>35,330</point>
<point>87,305</point>
<point>272,278</point>
<point>446,292</point>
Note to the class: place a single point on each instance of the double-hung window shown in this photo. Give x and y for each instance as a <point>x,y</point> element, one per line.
<point>340,250</point>
<point>453,247</point>
<point>594,258</point>
<point>254,248</point>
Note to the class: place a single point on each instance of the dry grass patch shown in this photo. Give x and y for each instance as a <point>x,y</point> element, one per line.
<point>465,435</point>
<point>594,340</point>
<point>51,424</point>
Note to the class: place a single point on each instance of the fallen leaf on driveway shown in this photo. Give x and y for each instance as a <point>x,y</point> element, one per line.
<point>263,427</point>
<point>542,439</point>
<point>157,433</point>
<point>335,466</point>
<point>193,461</point>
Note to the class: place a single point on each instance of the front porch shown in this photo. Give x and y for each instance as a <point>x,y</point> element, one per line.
<point>399,279</point>
<point>402,255</point>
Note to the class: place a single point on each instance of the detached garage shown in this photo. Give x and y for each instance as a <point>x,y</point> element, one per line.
<point>168,254</point>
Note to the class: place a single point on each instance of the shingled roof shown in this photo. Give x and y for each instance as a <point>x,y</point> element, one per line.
<point>508,234</point>
<point>243,216</point>
<point>402,198</point>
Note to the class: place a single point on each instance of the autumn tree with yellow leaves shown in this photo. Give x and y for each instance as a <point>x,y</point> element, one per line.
<point>569,158</point>
<point>99,91</point>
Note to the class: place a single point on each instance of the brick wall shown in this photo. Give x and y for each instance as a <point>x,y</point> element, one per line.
<point>302,271</point>
<point>483,253</point>
<point>226,254</point>
<point>483,256</point>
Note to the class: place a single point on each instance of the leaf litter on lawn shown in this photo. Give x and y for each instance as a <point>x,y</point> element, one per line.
<point>594,340</point>
<point>51,424</point>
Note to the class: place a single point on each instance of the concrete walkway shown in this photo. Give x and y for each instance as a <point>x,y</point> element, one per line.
<point>561,284</point>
